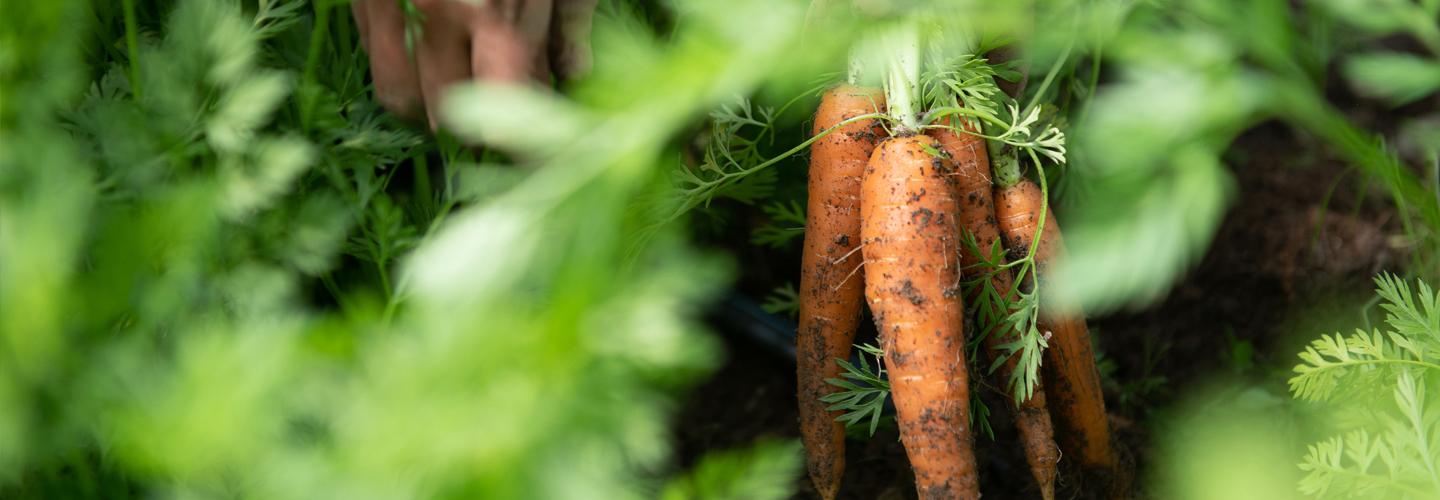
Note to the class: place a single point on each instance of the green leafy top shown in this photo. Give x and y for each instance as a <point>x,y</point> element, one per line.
<point>860,402</point>
<point>1337,366</point>
<point>1394,450</point>
<point>965,80</point>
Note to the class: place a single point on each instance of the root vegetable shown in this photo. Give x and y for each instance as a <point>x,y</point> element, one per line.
<point>1068,374</point>
<point>977,217</point>
<point>912,285</point>
<point>831,288</point>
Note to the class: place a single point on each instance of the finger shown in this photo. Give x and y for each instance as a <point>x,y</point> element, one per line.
<point>569,46</point>
<point>382,33</point>
<point>443,53</point>
<point>530,18</point>
<point>499,53</point>
<point>529,21</point>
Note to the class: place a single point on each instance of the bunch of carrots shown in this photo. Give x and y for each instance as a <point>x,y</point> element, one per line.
<point>902,206</point>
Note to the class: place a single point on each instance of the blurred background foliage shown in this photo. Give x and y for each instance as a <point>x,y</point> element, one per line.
<point>225,272</point>
<point>214,286</point>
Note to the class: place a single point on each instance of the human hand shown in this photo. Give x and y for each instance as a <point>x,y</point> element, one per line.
<point>458,40</point>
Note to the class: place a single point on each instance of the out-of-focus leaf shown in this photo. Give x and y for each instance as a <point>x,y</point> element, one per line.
<point>523,120</point>
<point>761,473</point>
<point>244,108</point>
<point>1377,16</point>
<point>1398,77</point>
<point>314,234</point>
<point>478,253</point>
<point>255,182</point>
<point>1155,200</point>
<point>1134,259</point>
<point>1422,136</point>
<point>1230,443</point>
<point>214,409</point>
<point>480,182</point>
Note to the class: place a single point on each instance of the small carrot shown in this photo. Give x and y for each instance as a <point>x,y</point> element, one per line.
<point>912,283</point>
<point>977,217</point>
<point>1071,382</point>
<point>831,290</point>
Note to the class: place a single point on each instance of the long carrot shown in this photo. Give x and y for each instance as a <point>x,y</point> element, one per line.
<point>907,203</point>
<point>831,290</point>
<point>977,216</point>
<point>1072,384</point>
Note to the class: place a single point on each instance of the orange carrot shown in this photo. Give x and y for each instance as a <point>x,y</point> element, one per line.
<point>912,283</point>
<point>831,290</point>
<point>1071,382</point>
<point>977,216</point>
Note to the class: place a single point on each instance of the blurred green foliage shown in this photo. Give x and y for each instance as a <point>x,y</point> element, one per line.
<point>1377,383</point>
<point>214,287</point>
<point>1188,76</point>
<point>1230,440</point>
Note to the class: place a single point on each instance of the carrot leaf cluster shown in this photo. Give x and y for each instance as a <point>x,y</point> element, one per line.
<point>860,401</point>
<point>1391,445</point>
<point>784,299</point>
<point>778,234</point>
<point>1010,316</point>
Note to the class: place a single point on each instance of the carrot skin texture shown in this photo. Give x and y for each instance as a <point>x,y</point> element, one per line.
<point>830,299</point>
<point>1072,384</point>
<point>912,285</point>
<point>977,216</point>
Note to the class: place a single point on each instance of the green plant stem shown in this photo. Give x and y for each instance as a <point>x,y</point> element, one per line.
<point>1423,364</point>
<point>938,113</point>
<point>1094,83</point>
<point>132,43</point>
<point>347,50</point>
<point>1049,77</point>
<point>389,314</point>
<point>854,67</point>
<point>1006,165</point>
<point>1324,204</point>
<point>1039,230</point>
<point>736,176</point>
<point>317,39</point>
<point>384,278</point>
<point>317,44</point>
<point>903,74</point>
<point>770,127</point>
<point>329,282</point>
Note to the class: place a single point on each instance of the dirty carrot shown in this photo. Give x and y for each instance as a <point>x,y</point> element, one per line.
<point>977,218</point>
<point>1068,374</point>
<point>831,289</point>
<point>912,283</point>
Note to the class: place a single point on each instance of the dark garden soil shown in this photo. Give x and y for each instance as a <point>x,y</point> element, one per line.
<point>1262,276</point>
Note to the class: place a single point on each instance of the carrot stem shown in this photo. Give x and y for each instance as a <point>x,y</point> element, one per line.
<point>854,67</point>
<point>902,44</point>
<point>1094,81</point>
<point>132,43</point>
<point>736,176</point>
<point>317,43</point>
<point>1049,77</point>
